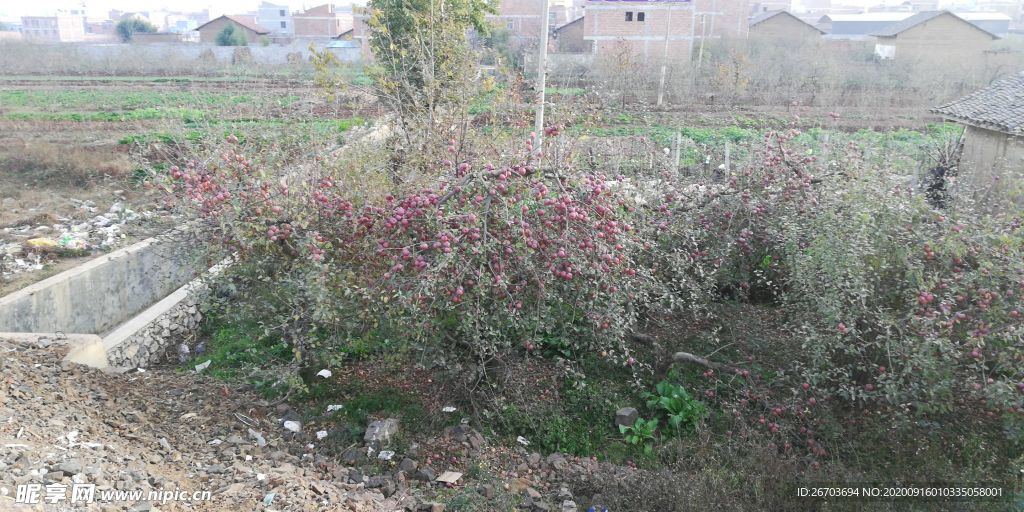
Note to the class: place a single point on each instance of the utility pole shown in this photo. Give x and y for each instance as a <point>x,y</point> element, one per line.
<point>542,63</point>
<point>664,55</point>
<point>703,36</point>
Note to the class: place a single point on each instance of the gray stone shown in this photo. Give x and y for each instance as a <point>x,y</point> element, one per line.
<point>376,482</point>
<point>408,465</point>
<point>557,461</point>
<point>69,467</point>
<point>569,506</point>
<point>533,460</point>
<point>626,416</point>
<point>379,432</point>
<point>353,456</point>
<point>486,490</point>
<point>426,474</point>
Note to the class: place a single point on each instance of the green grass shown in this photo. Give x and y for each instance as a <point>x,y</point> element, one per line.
<point>183,79</point>
<point>144,114</point>
<point>94,99</point>
<point>565,91</point>
<point>235,350</point>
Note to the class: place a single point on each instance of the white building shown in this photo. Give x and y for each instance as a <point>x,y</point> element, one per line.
<point>277,18</point>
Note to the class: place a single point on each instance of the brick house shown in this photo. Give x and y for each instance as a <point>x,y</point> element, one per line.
<point>209,30</point>
<point>994,134</point>
<point>569,38</point>
<point>53,29</point>
<point>781,25</point>
<point>323,21</point>
<point>934,37</point>
<point>651,30</point>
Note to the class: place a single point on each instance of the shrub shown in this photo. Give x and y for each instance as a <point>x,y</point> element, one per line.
<point>681,411</point>
<point>641,434</point>
<point>229,36</point>
<point>495,260</point>
<point>127,27</point>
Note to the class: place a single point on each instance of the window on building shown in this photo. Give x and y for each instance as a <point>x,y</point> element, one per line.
<point>511,25</point>
<point>640,16</point>
<point>284,24</point>
<point>283,13</point>
<point>629,15</point>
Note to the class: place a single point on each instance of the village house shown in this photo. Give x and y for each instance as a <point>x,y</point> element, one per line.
<point>994,133</point>
<point>209,30</point>
<point>361,32</point>
<point>653,31</point>
<point>859,26</point>
<point>934,36</point>
<point>53,29</point>
<point>522,18</point>
<point>323,21</point>
<point>569,38</point>
<point>760,6</point>
<point>994,22</point>
<point>277,18</point>
<point>781,25</point>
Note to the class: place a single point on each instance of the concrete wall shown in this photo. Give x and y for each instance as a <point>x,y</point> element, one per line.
<point>96,55</point>
<point>101,294</point>
<point>151,335</point>
<point>988,157</point>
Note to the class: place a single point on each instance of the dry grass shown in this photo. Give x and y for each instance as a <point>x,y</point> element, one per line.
<point>45,163</point>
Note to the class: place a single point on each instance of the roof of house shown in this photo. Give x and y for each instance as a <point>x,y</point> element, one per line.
<point>765,16</point>
<point>870,17</point>
<point>239,19</point>
<point>342,44</point>
<point>922,17</point>
<point>983,16</point>
<point>998,107</point>
<point>573,22</point>
<point>348,33</point>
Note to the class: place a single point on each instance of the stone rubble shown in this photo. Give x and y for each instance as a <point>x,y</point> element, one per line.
<point>62,423</point>
<point>98,233</point>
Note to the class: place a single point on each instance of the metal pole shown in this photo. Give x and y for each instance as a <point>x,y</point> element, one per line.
<point>542,58</point>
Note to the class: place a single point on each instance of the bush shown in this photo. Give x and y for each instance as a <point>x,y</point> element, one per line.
<point>493,261</point>
<point>229,36</point>
<point>888,306</point>
<point>126,28</point>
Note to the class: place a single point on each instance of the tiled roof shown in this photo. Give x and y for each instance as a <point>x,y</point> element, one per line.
<point>239,19</point>
<point>248,22</point>
<point>767,15</point>
<point>919,18</point>
<point>999,106</point>
<point>573,22</point>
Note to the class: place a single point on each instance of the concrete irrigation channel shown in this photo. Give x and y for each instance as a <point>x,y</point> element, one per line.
<point>123,309</point>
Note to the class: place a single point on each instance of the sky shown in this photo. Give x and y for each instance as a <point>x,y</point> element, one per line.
<point>18,8</point>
